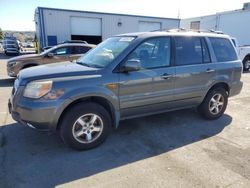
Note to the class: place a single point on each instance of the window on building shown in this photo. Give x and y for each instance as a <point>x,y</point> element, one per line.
<point>223,49</point>
<point>195,25</point>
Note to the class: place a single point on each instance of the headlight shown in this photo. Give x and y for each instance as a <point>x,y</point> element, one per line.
<point>37,89</point>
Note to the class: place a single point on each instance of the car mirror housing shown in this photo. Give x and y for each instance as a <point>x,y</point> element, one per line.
<point>50,54</point>
<point>131,65</point>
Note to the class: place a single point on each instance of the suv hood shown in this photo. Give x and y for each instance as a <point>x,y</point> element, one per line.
<point>24,57</point>
<point>55,70</point>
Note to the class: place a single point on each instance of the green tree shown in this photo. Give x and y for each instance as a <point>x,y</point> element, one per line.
<point>1,34</point>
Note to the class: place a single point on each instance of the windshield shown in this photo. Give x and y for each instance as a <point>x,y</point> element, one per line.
<point>106,52</point>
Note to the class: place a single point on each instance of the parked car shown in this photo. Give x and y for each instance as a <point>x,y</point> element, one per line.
<point>59,53</point>
<point>244,54</point>
<point>66,41</point>
<point>127,76</point>
<point>11,46</point>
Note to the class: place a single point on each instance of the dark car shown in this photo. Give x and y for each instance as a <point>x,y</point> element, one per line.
<point>128,76</point>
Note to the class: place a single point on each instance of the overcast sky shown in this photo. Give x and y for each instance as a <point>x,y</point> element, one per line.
<point>19,14</point>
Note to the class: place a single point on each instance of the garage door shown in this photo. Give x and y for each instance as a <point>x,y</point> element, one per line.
<point>149,26</point>
<point>86,26</point>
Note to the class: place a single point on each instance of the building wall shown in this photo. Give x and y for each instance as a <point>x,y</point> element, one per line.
<point>206,22</point>
<point>57,22</point>
<point>234,23</point>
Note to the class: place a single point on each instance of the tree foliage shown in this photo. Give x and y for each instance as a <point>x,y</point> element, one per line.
<point>1,34</point>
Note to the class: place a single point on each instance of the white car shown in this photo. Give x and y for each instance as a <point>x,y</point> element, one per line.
<point>244,54</point>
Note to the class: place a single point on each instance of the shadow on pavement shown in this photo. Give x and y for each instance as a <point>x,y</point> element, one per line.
<point>42,159</point>
<point>8,82</point>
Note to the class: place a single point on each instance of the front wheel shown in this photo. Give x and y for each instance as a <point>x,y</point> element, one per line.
<point>214,104</point>
<point>85,126</point>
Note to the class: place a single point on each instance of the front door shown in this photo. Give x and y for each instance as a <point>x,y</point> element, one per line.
<point>57,55</point>
<point>151,88</point>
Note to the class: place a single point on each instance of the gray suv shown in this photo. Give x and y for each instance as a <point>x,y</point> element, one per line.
<point>128,76</point>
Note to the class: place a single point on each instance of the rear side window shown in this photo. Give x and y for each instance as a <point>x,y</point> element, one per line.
<point>189,50</point>
<point>61,51</point>
<point>80,49</point>
<point>223,49</point>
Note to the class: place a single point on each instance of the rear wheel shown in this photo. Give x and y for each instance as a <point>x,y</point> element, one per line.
<point>214,104</point>
<point>246,64</point>
<point>85,126</point>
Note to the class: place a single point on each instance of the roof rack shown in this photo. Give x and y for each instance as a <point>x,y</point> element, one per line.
<point>74,41</point>
<point>190,30</point>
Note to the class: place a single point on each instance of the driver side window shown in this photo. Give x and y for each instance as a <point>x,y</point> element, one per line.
<point>61,51</point>
<point>153,53</point>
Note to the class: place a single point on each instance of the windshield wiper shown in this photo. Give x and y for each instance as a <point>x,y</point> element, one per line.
<point>84,64</point>
<point>96,66</point>
<point>89,65</point>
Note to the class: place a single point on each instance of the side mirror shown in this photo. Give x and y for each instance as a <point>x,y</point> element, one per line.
<point>50,54</point>
<point>131,65</point>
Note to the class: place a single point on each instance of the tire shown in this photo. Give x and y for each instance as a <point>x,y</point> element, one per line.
<point>78,132</point>
<point>246,64</point>
<point>214,104</point>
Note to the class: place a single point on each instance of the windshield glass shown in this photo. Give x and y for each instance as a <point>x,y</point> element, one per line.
<point>106,52</point>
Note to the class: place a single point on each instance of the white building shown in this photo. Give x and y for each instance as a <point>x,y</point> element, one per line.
<point>57,25</point>
<point>236,23</point>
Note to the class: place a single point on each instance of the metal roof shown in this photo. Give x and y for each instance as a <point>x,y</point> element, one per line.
<point>115,14</point>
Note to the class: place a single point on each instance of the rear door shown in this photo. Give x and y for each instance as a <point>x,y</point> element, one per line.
<point>194,70</point>
<point>151,88</point>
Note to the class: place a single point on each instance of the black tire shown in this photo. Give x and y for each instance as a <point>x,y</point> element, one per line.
<point>207,105</point>
<point>246,67</point>
<point>70,122</point>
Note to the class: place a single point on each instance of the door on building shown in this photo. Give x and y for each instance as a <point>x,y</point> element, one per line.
<point>52,40</point>
<point>87,29</point>
<point>149,26</point>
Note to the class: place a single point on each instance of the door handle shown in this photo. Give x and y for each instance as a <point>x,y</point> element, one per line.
<point>166,76</point>
<point>209,70</point>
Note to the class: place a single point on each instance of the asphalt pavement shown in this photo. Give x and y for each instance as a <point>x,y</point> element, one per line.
<point>175,149</point>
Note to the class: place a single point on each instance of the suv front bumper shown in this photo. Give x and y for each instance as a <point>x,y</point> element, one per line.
<point>40,114</point>
<point>41,118</point>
